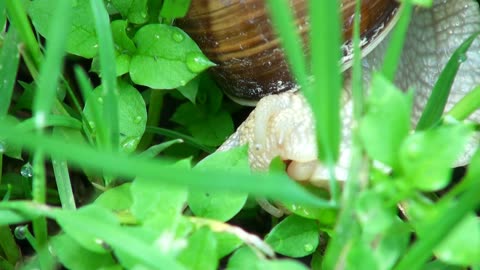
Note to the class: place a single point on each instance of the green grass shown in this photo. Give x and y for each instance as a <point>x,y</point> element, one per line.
<point>132,169</point>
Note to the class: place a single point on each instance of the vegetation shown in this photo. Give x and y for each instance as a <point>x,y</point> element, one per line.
<point>106,120</point>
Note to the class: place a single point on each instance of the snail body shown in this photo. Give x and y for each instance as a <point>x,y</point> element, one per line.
<point>282,123</point>
<point>238,36</point>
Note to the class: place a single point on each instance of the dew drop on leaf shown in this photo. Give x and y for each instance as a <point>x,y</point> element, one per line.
<point>197,62</point>
<point>308,247</point>
<point>462,58</point>
<point>137,119</point>
<point>177,36</point>
<point>27,170</point>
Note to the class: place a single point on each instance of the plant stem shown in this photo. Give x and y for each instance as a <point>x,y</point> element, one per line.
<point>39,191</point>
<point>154,112</point>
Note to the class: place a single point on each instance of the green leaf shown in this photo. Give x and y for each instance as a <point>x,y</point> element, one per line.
<point>427,157</point>
<point>70,221</point>
<point>325,216</point>
<point>134,11</point>
<point>386,122</point>
<point>74,256</point>
<point>210,129</point>
<point>284,264</point>
<point>360,256</point>
<point>220,205</point>
<point>156,203</point>
<point>102,229</point>
<point>117,198</point>
<point>390,243</point>
<point>132,114</point>
<point>294,236</point>
<point>373,206</point>
<point>172,9</point>
<point>244,258</point>
<point>166,57</point>
<point>226,243</point>
<point>201,252</point>
<point>462,245</point>
<point>190,90</point>
<point>81,38</point>
<point>124,48</point>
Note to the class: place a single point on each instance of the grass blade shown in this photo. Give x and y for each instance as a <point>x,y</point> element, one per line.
<point>62,178</point>
<point>18,18</point>
<point>108,73</point>
<point>45,94</point>
<point>467,105</point>
<point>324,96</point>
<point>438,98</point>
<point>277,186</point>
<point>284,23</point>
<point>398,36</point>
<point>9,59</point>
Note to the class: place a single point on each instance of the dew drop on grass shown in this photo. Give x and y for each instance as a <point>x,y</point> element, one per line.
<point>177,36</point>
<point>20,232</point>
<point>27,170</point>
<point>462,58</point>
<point>197,62</point>
<point>100,100</point>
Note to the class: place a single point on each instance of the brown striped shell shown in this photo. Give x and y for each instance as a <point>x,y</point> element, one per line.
<point>237,35</point>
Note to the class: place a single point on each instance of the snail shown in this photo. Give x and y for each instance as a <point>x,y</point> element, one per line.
<point>237,35</point>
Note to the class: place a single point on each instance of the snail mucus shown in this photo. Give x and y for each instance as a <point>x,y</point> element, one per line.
<point>238,36</point>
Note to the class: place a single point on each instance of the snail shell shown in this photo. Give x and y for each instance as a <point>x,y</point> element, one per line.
<point>238,36</point>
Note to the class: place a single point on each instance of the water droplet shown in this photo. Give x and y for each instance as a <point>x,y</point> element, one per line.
<point>462,58</point>
<point>1,67</point>
<point>20,232</point>
<point>157,36</point>
<point>197,62</point>
<point>183,82</point>
<point>308,247</point>
<point>100,100</point>
<point>27,170</point>
<point>138,119</point>
<point>177,36</point>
